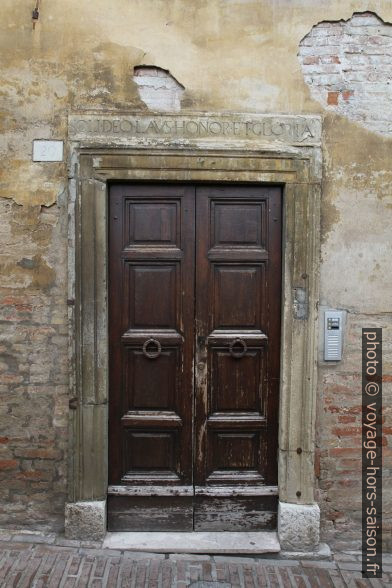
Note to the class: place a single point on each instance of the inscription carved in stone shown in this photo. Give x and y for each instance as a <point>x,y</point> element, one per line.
<point>297,130</point>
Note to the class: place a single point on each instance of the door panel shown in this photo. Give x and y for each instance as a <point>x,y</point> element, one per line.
<point>151,334</point>
<point>238,324</point>
<point>194,314</point>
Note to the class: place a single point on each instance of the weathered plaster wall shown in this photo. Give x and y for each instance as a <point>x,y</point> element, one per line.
<point>228,55</point>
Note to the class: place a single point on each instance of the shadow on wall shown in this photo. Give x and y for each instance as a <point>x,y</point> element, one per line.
<point>348,67</point>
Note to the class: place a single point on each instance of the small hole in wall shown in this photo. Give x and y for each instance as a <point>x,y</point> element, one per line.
<point>158,89</point>
<point>35,13</point>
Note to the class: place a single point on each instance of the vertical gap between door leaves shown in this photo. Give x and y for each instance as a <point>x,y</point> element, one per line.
<point>194,361</point>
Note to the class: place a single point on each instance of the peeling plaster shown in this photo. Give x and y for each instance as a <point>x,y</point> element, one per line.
<point>158,89</point>
<point>347,65</point>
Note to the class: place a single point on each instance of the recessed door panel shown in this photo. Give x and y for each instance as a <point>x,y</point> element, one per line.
<point>151,223</point>
<point>237,385</point>
<point>153,296</point>
<point>238,224</point>
<point>238,295</point>
<point>151,389</point>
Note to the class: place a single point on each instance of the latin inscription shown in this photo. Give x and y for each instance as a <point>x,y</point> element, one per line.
<point>302,130</point>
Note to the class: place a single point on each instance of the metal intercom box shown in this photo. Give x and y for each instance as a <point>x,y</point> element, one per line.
<point>333,335</point>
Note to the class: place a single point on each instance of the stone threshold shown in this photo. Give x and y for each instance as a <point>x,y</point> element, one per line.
<point>322,554</point>
<point>224,542</point>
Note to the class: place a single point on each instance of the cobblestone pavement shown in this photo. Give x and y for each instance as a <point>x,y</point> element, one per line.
<point>32,561</point>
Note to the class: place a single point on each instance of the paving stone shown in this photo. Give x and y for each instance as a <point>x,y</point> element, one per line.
<point>14,546</point>
<point>319,564</point>
<point>278,562</point>
<point>52,566</point>
<point>207,584</point>
<point>41,548</point>
<point>350,566</point>
<point>227,558</point>
<point>5,537</point>
<point>46,539</point>
<point>91,544</point>
<point>67,542</point>
<point>107,552</point>
<point>344,557</point>
<point>387,568</point>
<point>189,556</point>
<point>135,555</point>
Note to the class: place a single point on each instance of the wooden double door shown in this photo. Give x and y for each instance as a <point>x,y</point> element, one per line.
<point>194,323</point>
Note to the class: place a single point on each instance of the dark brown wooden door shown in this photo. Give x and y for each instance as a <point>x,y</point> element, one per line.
<point>194,320</point>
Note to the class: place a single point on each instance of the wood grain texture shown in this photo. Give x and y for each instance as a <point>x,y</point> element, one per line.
<point>197,269</point>
<point>238,282</point>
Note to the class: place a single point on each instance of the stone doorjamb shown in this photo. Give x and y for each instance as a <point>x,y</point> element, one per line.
<point>96,162</point>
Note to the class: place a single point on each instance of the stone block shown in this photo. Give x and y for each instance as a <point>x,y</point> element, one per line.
<point>298,527</point>
<point>85,520</point>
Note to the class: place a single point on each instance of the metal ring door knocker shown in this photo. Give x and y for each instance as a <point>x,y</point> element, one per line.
<point>240,353</point>
<point>154,353</point>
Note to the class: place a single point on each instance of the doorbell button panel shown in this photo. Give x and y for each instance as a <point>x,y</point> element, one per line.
<point>333,335</point>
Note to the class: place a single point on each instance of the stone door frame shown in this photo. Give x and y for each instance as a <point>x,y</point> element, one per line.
<point>94,163</point>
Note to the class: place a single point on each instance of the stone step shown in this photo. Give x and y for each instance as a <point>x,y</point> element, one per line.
<point>196,542</point>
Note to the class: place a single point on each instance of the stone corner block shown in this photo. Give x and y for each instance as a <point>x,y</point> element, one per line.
<point>85,520</point>
<point>299,527</point>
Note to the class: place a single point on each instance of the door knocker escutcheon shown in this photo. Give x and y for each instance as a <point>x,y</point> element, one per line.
<point>152,354</point>
<point>240,353</point>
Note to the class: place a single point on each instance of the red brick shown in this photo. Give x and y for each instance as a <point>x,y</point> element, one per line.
<point>341,451</point>
<point>353,463</point>
<point>347,94</point>
<point>311,60</point>
<point>8,464</point>
<point>33,475</point>
<point>345,418</point>
<point>333,98</point>
<point>346,431</point>
<point>333,408</point>
<point>38,453</point>
<point>327,59</point>
<point>346,483</point>
<point>333,515</point>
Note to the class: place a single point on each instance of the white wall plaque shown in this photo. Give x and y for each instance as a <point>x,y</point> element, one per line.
<point>47,150</point>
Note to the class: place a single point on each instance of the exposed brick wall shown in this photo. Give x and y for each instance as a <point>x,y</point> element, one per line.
<point>338,457</point>
<point>348,67</point>
<point>158,89</point>
<point>33,368</point>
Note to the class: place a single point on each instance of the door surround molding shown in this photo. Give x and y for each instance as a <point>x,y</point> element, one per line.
<point>93,162</point>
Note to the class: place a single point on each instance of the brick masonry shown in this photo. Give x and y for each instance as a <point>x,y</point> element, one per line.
<point>348,68</point>
<point>33,369</point>
<point>338,455</point>
<point>50,561</point>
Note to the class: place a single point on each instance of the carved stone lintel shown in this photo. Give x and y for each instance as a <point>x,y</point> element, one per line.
<point>137,129</point>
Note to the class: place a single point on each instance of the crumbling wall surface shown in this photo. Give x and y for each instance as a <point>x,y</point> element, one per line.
<point>348,67</point>
<point>287,56</point>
